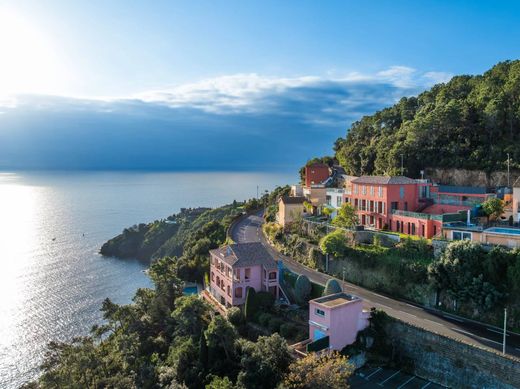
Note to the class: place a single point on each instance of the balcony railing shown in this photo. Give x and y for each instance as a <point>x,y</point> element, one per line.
<point>417,215</point>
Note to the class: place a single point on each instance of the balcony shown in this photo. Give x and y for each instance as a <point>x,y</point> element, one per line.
<point>416,215</point>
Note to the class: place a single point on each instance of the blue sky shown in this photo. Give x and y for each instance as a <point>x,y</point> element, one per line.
<point>117,48</point>
<point>250,69</point>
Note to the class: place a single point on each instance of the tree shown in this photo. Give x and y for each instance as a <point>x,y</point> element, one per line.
<point>334,243</point>
<point>325,371</point>
<point>327,211</point>
<point>332,286</point>
<point>220,383</point>
<point>346,217</point>
<point>250,307</point>
<point>263,363</point>
<point>302,289</point>
<point>221,335</point>
<point>493,207</point>
<point>191,316</point>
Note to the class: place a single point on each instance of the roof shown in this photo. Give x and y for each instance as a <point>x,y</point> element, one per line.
<point>293,199</point>
<point>384,180</point>
<point>245,254</point>
<point>462,189</point>
<point>318,164</point>
<point>441,209</point>
<point>336,299</point>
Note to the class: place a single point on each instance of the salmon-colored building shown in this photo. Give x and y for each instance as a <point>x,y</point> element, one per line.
<point>237,267</point>
<point>408,206</point>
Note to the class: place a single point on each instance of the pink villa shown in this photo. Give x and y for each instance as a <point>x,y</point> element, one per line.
<point>237,267</point>
<point>339,316</point>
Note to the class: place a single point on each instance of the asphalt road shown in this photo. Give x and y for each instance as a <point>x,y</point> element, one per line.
<point>249,229</point>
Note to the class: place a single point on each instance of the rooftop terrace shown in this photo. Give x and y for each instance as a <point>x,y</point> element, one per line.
<point>335,300</point>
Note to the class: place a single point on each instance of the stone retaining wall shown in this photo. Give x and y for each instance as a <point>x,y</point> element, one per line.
<point>451,363</point>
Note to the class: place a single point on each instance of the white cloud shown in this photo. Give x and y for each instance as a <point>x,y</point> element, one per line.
<point>252,92</point>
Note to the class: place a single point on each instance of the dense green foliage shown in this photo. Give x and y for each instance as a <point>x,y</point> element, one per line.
<point>477,279</point>
<point>334,243</point>
<point>493,207</point>
<point>332,286</point>
<point>164,340</point>
<point>302,289</point>
<point>319,371</point>
<point>470,122</point>
<point>347,217</point>
<point>171,237</point>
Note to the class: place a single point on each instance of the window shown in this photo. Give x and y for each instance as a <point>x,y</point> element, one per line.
<point>406,206</point>
<point>238,292</point>
<point>461,235</point>
<point>371,190</point>
<point>355,189</point>
<point>212,276</point>
<point>272,275</point>
<point>422,229</point>
<point>413,229</point>
<point>320,312</point>
<point>247,274</point>
<point>394,205</point>
<point>339,201</point>
<point>380,190</point>
<point>237,274</point>
<point>401,192</point>
<point>228,291</point>
<point>383,207</point>
<point>328,200</point>
<point>364,189</point>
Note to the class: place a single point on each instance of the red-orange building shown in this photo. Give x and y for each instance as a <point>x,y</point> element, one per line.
<point>316,174</point>
<point>405,205</point>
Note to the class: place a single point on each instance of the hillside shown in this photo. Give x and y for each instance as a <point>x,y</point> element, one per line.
<point>471,122</point>
<point>168,237</point>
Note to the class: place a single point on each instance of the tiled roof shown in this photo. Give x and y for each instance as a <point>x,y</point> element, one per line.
<point>384,180</point>
<point>245,254</point>
<point>293,199</point>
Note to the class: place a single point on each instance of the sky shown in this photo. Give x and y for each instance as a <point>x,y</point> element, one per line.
<point>316,65</point>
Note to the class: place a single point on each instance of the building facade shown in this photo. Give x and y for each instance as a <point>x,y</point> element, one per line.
<point>289,209</point>
<point>316,174</point>
<point>339,316</point>
<point>237,267</point>
<point>408,206</point>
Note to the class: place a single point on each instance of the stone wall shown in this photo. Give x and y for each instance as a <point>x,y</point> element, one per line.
<point>470,177</point>
<point>451,363</point>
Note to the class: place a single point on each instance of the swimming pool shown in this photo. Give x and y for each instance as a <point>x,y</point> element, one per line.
<point>502,230</point>
<point>189,290</point>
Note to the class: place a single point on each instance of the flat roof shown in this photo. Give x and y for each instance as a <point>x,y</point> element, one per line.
<point>335,300</point>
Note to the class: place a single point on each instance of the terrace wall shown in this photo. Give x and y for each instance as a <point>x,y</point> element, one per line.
<point>451,363</point>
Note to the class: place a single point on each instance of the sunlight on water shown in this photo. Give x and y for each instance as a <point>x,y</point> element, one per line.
<point>52,279</point>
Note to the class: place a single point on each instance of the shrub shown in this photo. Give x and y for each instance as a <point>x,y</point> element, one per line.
<point>235,316</point>
<point>334,243</point>
<point>274,324</point>
<point>264,319</point>
<point>250,308</point>
<point>264,300</point>
<point>288,330</point>
<point>332,286</point>
<point>302,289</point>
<point>316,260</point>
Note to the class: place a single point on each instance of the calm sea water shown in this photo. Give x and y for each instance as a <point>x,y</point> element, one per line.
<point>52,281</point>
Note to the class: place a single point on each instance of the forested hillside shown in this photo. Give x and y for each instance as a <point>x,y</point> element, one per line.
<point>471,122</point>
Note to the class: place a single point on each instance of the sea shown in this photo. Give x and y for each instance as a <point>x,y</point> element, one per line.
<point>52,224</point>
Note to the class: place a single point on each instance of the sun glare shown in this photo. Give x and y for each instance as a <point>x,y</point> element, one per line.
<point>28,62</point>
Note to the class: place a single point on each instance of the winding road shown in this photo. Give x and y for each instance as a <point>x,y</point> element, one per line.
<point>249,229</point>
